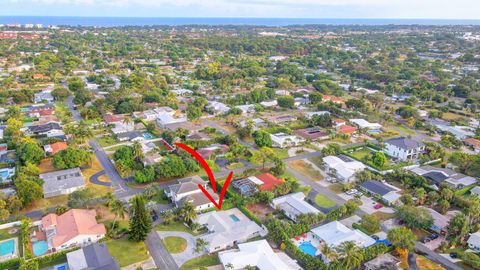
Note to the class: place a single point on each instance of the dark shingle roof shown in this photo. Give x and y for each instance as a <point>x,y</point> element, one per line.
<point>404,143</point>
<point>98,258</point>
<point>44,128</point>
<point>435,176</point>
<point>376,187</point>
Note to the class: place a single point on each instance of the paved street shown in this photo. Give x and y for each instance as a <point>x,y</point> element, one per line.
<point>437,257</point>
<point>160,255</point>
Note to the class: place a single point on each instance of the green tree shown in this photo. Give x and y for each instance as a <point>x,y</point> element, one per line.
<point>262,138</point>
<point>371,223</point>
<point>71,158</point>
<point>118,208</point>
<point>379,159</point>
<point>415,217</point>
<point>31,152</point>
<point>28,191</point>
<point>140,220</point>
<point>286,102</point>
<point>188,212</point>
<point>402,237</point>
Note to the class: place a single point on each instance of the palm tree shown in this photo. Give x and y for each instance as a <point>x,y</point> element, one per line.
<point>167,216</point>
<point>137,150</point>
<point>329,253</point>
<point>150,191</point>
<point>188,212</point>
<point>200,244</point>
<point>119,209</point>
<point>351,255</point>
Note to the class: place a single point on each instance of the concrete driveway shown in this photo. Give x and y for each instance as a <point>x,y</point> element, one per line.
<point>189,253</point>
<point>368,204</point>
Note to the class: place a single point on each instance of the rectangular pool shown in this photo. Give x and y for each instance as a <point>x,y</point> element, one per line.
<point>234,218</point>
<point>7,247</point>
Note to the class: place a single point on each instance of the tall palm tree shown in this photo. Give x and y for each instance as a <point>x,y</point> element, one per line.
<point>351,255</point>
<point>200,244</point>
<point>167,216</point>
<point>137,150</point>
<point>329,253</point>
<point>150,191</point>
<point>118,208</point>
<point>188,212</point>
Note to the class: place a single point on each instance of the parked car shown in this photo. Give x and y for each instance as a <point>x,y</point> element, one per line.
<point>453,255</point>
<point>375,237</point>
<point>426,240</point>
<point>378,206</point>
<point>433,236</point>
<point>351,191</point>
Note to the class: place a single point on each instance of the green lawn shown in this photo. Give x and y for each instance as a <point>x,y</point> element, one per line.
<point>160,198</point>
<point>202,261</point>
<point>174,227</point>
<point>127,252</point>
<point>280,153</point>
<point>5,235</point>
<point>234,165</point>
<point>406,130</point>
<point>175,244</point>
<point>107,141</point>
<point>337,188</point>
<point>306,169</point>
<point>316,160</point>
<point>361,153</point>
<point>323,201</point>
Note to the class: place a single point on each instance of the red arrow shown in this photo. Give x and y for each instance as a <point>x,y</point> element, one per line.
<point>209,172</point>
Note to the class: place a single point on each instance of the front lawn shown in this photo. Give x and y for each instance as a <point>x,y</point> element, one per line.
<point>127,252</point>
<point>280,152</point>
<point>107,141</point>
<point>234,165</point>
<point>306,169</point>
<point>175,244</point>
<point>202,261</point>
<point>337,188</point>
<point>323,201</point>
<point>425,264</point>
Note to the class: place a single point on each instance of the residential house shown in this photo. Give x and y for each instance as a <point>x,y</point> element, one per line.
<point>246,109</point>
<point>41,111</point>
<point>269,103</point>
<point>258,254</point>
<point>217,149</point>
<point>474,144</point>
<point>337,123</point>
<point>217,107</point>
<point>384,261</point>
<point>403,148</point>
<point>312,133</point>
<point>76,227</point>
<point>151,159</point>
<point>474,241</point>
<point>343,167</point>
<point>52,149</point>
<point>112,119</point>
<point>44,96</point>
<point>440,222</point>
<point>387,193</point>
<point>7,173</point>
<point>444,175</point>
<point>283,140</point>
<point>163,120</point>
<point>250,185</point>
<point>257,123</point>
<point>346,129</point>
<point>335,233</point>
<point>337,100</point>
<point>130,136</point>
<point>198,136</point>
<point>62,182</point>
<point>293,204</point>
<point>186,190</point>
<point>364,124</point>
<point>227,228</point>
<point>475,191</point>
<point>123,127</point>
<point>50,130</point>
<point>92,257</point>
<point>309,115</point>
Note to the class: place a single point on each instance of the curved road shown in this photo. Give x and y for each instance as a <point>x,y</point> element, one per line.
<point>94,179</point>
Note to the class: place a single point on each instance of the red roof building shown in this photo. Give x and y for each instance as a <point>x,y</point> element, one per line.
<point>113,118</point>
<point>8,35</point>
<point>346,129</point>
<point>269,181</point>
<point>333,99</point>
<point>55,147</point>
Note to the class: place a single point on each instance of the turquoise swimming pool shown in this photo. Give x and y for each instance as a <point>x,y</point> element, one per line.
<point>308,248</point>
<point>374,131</point>
<point>40,248</point>
<point>147,136</point>
<point>7,247</point>
<point>234,218</point>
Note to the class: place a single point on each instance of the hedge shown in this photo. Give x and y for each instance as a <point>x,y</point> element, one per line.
<point>47,260</point>
<point>10,264</point>
<point>249,214</point>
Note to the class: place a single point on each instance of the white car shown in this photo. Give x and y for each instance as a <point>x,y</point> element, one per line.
<point>351,191</point>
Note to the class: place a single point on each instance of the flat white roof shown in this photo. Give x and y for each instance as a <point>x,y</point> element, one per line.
<point>335,233</point>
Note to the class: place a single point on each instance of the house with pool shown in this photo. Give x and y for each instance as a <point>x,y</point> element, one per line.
<point>228,228</point>
<point>76,227</point>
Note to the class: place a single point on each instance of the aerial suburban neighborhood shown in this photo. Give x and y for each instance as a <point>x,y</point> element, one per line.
<point>349,146</point>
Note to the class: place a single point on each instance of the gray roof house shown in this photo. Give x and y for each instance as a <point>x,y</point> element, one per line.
<point>383,262</point>
<point>62,182</point>
<point>92,257</point>
<point>404,148</point>
<point>443,175</point>
<point>187,190</point>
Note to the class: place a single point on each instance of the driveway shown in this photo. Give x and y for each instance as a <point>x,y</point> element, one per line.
<point>189,253</point>
<point>159,253</point>
<point>368,204</point>
<point>94,179</point>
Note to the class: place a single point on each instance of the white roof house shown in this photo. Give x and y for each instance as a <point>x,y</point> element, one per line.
<point>335,233</point>
<point>285,140</point>
<point>343,166</point>
<point>293,205</point>
<point>475,191</point>
<point>270,103</point>
<point>217,107</point>
<point>248,108</point>
<point>474,241</point>
<point>362,123</point>
<point>311,114</point>
<point>165,119</point>
<point>259,254</point>
<point>227,228</point>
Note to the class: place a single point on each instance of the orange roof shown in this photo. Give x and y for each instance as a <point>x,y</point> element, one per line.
<point>269,181</point>
<point>112,118</point>
<point>347,129</point>
<point>58,146</point>
<point>473,142</point>
<point>338,120</point>
<point>333,99</point>
<point>71,224</point>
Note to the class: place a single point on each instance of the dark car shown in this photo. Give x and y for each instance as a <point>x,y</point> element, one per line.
<point>426,239</point>
<point>375,237</point>
<point>434,236</point>
<point>453,255</point>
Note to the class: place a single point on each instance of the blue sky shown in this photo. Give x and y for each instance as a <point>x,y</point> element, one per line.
<point>439,9</point>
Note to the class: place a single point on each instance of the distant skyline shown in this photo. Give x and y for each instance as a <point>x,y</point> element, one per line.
<point>369,9</point>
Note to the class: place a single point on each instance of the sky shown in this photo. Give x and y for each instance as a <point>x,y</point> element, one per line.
<point>382,9</point>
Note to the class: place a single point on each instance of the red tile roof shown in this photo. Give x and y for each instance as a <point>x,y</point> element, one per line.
<point>113,118</point>
<point>269,181</point>
<point>473,142</point>
<point>347,129</point>
<point>58,146</point>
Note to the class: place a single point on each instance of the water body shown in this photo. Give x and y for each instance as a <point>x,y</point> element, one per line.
<point>145,21</point>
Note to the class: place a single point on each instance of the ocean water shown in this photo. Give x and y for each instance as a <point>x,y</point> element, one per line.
<point>145,21</point>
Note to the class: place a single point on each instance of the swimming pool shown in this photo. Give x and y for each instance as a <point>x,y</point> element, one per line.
<point>4,174</point>
<point>147,136</point>
<point>234,218</point>
<point>40,248</point>
<point>7,247</point>
<point>61,267</point>
<point>374,131</point>
<point>308,248</point>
